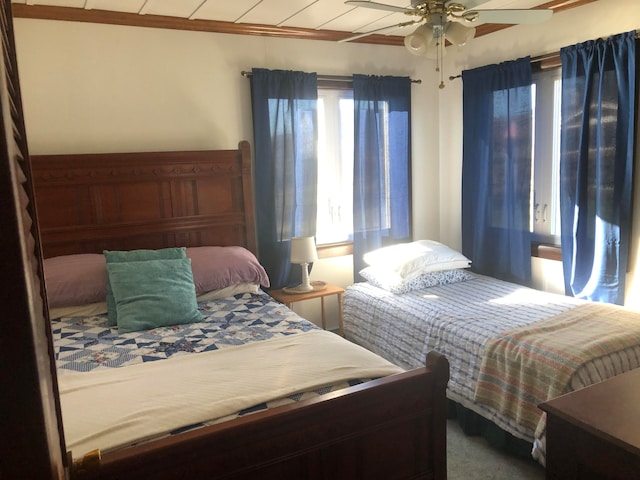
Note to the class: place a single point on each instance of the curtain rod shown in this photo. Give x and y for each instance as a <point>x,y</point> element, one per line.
<point>547,60</point>
<point>332,78</point>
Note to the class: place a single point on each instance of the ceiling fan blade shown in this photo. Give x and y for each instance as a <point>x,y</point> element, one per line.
<point>512,16</point>
<point>468,4</point>
<point>377,6</point>
<point>371,32</point>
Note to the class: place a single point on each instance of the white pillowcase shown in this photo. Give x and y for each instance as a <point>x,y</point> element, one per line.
<point>87,310</point>
<point>394,283</point>
<point>229,291</point>
<point>411,259</point>
<point>93,309</point>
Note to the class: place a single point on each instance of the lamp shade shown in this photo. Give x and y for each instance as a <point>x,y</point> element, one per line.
<point>418,41</point>
<point>303,250</point>
<point>458,34</point>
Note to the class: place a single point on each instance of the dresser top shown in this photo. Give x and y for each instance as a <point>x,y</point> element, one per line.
<point>609,410</point>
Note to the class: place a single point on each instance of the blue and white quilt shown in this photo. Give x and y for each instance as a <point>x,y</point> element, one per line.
<point>84,344</point>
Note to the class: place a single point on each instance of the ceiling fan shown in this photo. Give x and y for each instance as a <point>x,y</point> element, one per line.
<point>448,20</point>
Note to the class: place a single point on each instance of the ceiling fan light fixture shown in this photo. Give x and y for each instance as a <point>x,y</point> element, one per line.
<point>458,34</point>
<point>450,20</point>
<point>419,41</point>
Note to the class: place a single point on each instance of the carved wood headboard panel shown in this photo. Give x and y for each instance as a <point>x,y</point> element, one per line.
<point>87,203</point>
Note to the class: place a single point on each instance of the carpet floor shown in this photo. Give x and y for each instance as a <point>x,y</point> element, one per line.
<point>471,458</point>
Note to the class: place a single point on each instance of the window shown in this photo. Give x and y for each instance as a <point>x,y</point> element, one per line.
<point>545,175</point>
<point>335,166</point>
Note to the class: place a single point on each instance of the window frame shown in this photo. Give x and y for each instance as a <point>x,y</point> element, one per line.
<point>337,249</point>
<point>545,173</point>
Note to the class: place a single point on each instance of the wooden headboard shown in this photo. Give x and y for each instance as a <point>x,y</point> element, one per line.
<point>87,203</point>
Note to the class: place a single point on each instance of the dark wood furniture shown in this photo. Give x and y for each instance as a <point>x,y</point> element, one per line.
<point>594,433</point>
<point>289,299</point>
<point>390,428</point>
<point>89,203</point>
<point>29,400</point>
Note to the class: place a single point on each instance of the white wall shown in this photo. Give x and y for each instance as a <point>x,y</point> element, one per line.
<point>103,88</point>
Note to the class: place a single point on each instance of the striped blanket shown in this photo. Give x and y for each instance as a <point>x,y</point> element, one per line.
<point>526,366</point>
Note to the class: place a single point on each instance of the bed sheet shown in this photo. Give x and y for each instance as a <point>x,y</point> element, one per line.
<point>457,320</point>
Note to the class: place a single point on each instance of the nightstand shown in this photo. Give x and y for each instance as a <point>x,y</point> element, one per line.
<point>290,298</point>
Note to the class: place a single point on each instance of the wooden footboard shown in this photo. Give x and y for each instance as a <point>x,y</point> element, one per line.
<point>391,428</point>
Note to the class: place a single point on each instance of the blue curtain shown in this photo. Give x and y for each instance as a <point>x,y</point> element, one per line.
<point>496,169</point>
<point>381,188</point>
<point>285,155</point>
<point>596,165</point>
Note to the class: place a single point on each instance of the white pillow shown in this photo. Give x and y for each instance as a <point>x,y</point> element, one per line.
<point>87,310</point>
<point>421,256</point>
<point>93,309</point>
<point>229,291</point>
<point>394,283</point>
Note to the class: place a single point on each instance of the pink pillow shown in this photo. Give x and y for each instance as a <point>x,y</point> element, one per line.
<point>219,267</point>
<point>75,279</point>
<point>81,279</point>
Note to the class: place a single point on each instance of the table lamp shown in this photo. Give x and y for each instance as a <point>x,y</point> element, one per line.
<point>303,252</point>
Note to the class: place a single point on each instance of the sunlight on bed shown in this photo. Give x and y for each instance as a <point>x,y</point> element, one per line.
<point>522,296</point>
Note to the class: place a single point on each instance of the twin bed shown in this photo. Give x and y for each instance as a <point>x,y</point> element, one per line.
<point>206,396</point>
<point>510,348</point>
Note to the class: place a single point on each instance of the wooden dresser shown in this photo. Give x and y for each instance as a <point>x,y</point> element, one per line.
<point>594,433</point>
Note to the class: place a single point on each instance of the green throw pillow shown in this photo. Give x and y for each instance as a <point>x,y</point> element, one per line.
<point>117,256</point>
<point>153,293</point>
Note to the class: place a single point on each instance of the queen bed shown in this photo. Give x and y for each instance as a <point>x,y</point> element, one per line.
<point>510,348</point>
<point>203,397</point>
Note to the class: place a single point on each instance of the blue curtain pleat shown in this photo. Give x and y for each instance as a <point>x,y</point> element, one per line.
<point>285,172</point>
<point>496,169</point>
<point>381,188</point>
<point>596,165</point>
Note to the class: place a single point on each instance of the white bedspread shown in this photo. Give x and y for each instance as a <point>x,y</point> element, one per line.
<point>111,408</point>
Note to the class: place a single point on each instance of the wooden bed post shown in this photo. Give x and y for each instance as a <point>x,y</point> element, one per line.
<point>247,188</point>
<point>440,366</point>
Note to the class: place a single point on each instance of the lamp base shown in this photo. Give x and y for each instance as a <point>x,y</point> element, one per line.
<point>316,286</point>
<point>298,289</point>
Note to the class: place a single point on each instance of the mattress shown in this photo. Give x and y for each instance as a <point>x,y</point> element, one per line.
<point>84,345</point>
<point>457,320</point>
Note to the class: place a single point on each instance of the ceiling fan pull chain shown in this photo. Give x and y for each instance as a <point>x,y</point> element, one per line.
<point>440,68</point>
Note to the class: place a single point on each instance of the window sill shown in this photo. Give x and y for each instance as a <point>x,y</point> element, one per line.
<point>335,250</point>
<point>547,252</point>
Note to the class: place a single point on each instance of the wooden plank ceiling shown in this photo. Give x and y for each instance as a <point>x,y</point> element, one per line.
<point>330,20</point>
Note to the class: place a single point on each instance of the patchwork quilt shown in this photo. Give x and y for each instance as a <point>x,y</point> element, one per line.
<point>84,344</point>
<point>87,344</point>
<point>111,408</point>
